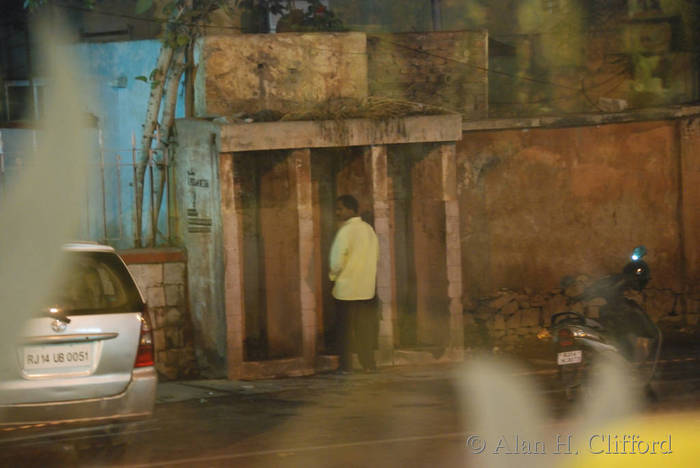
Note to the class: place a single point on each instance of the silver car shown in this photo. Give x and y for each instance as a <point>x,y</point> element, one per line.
<point>87,359</point>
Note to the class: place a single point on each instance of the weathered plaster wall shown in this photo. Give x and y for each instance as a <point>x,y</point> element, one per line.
<point>545,212</point>
<point>444,69</point>
<point>690,204</point>
<point>249,73</point>
<point>428,233</point>
<point>542,203</point>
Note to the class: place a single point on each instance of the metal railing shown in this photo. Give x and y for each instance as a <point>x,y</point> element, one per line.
<point>109,203</point>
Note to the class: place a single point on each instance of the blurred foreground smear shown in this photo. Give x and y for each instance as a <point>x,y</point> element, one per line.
<point>490,414</point>
<point>508,424</point>
<point>499,410</point>
<point>41,208</point>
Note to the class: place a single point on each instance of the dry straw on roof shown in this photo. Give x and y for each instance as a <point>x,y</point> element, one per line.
<point>374,108</point>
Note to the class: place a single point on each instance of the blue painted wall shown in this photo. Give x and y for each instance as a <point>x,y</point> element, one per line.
<point>120,109</point>
<point>121,112</point>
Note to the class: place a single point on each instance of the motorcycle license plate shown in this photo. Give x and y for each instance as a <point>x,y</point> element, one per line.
<point>569,357</point>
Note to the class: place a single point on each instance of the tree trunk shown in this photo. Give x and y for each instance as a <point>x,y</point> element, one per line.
<point>172,85</point>
<point>149,126</point>
<point>190,71</point>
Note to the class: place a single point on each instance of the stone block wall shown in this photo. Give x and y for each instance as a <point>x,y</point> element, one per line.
<point>508,318</point>
<point>162,280</point>
<point>444,69</point>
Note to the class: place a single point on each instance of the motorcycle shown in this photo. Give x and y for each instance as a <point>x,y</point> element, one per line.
<point>622,330</point>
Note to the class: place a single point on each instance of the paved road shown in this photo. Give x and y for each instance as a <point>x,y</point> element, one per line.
<point>397,417</point>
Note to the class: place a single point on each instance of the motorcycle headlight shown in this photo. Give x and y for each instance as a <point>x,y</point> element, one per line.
<point>578,333</point>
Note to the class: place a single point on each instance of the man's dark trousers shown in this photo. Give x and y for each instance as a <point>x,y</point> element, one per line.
<point>358,320</point>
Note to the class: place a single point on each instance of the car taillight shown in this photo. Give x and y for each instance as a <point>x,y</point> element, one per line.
<point>144,355</point>
<point>566,338</point>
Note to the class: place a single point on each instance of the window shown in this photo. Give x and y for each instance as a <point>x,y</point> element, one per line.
<point>23,100</point>
<point>94,282</point>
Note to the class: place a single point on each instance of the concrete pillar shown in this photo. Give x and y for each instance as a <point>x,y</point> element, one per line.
<point>307,260</point>
<point>453,246</point>
<point>385,273</point>
<point>233,267</point>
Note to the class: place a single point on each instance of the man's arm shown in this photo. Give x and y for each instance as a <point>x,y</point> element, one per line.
<point>339,253</point>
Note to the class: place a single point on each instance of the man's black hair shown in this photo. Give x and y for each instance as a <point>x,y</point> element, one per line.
<point>349,202</point>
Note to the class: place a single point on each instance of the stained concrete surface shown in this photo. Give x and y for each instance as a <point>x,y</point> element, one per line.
<point>407,416</point>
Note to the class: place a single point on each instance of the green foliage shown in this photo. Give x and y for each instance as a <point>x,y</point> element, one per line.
<point>317,16</point>
<point>142,6</point>
<point>153,79</point>
<point>184,19</point>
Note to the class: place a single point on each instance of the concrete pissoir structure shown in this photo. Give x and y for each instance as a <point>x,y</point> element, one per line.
<point>268,310</point>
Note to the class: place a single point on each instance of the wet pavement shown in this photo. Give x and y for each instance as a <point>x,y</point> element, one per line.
<point>401,416</point>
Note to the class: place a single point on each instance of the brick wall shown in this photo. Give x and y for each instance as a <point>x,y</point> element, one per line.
<point>161,276</point>
<point>507,318</point>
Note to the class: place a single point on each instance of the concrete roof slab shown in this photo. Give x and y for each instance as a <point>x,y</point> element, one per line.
<point>262,136</point>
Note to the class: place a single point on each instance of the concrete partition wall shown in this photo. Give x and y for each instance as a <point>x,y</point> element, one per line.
<point>430,261</point>
<point>426,237</point>
<point>267,188</point>
<point>198,227</point>
<point>402,261</point>
<point>279,232</point>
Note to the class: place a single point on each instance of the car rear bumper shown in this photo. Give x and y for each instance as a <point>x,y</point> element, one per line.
<point>134,403</point>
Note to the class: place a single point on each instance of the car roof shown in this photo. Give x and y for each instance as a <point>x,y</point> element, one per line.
<point>87,246</point>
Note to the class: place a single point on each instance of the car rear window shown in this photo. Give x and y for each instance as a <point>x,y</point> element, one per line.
<point>94,283</point>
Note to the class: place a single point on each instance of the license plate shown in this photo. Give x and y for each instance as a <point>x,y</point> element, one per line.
<point>569,357</point>
<point>57,356</point>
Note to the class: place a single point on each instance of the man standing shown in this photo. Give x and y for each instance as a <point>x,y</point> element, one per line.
<point>353,268</point>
